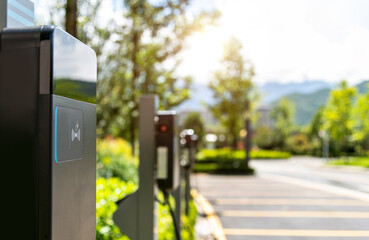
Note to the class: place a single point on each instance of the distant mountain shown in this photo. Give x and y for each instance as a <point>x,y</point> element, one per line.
<point>307,96</point>
<point>362,87</point>
<point>306,105</point>
<point>270,92</point>
<point>273,91</point>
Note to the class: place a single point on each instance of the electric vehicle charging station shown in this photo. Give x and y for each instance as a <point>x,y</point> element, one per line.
<point>188,142</point>
<point>168,165</point>
<point>158,169</point>
<point>48,118</point>
<point>167,152</point>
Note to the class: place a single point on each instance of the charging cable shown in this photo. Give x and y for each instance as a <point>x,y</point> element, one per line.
<point>175,223</point>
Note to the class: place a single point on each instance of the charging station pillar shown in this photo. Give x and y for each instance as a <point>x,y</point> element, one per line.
<point>135,214</point>
<point>148,187</point>
<point>188,144</point>
<point>177,194</point>
<point>48,133</point>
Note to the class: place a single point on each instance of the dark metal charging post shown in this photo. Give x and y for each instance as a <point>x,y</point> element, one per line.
<point>48,132</point>
<point>168,166</point>
<point>188,142</point>
<point>135,214</point>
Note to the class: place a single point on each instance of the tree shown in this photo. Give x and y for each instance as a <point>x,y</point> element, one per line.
<point>317,136</point>
<point>71,17</point>
<point>232,88</point>
<point>141,59</point>
<point>316,124</point>
<point>152,36</point>
<point>337,115</point>
<point>264,137</point>
<point>361,123</point>
<point>282,115</point>
<point>194,121</point>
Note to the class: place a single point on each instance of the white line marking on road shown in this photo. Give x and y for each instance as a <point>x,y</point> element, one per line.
<point>289,201</point>
<point>295,233</point>
<point>320,186</point>
<point>293,214</point>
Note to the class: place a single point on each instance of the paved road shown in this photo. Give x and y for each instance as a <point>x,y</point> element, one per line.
<point>296,199</point>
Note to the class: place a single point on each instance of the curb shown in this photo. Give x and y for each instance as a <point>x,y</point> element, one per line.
<point>213,219</point>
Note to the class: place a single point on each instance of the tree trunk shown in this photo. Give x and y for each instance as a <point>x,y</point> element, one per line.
<point>71,17</point>
<point>248,133</point>
<point>135,41</point>
<point>247,141</point>
<point>234,141</point>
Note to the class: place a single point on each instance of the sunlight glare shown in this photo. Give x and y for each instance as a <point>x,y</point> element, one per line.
<point>204,50</point>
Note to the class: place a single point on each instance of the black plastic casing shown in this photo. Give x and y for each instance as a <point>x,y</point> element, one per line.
<point>48,199</point>
<point>168,140</point>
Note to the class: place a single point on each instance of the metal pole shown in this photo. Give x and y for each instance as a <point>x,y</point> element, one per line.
<point>146,201</point>
<point>187,189</point>
<point>135,214</point>
<point>177,194</point>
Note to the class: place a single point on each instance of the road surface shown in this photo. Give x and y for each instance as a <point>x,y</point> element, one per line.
<point>295,199</point>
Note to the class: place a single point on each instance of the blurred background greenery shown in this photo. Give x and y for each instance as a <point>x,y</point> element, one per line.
<point>140,55</point>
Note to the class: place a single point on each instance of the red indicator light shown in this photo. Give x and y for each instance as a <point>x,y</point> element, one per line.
<point>163,128</point>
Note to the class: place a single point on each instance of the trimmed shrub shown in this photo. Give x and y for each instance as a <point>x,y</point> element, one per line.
<point>114,159</point>
<point>231,161</point>
<point>117,172</point>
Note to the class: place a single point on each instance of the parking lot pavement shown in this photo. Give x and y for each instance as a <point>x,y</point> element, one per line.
<point>259,208</point>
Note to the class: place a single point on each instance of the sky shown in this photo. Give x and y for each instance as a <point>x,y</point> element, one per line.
<point>286,40</point>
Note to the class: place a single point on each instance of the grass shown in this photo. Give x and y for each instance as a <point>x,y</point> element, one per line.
<point>352,161</point>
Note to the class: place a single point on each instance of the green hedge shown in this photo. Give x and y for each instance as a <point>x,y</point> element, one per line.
<point>231,161</point>
<point>352,161</point>
<point>225,154</point>
<point>109,191</point>
<point>114,159</point>
<point>117,172</point>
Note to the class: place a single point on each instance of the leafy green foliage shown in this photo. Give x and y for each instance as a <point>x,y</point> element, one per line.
<point>109,191</point>
<point>226,154</point>
<point>152,37</point>
<point>232,90</point>
<point>165,223</point>
<point>114,159</point>
<point>115,164</point>
<point>231,161</point>
<point>194,121</point>
<point>337,115</point>
<point>299,144</point>
<point>361,116</point>
<point>352,161</point>
<point>264,137</point>
<point>282,115</point>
